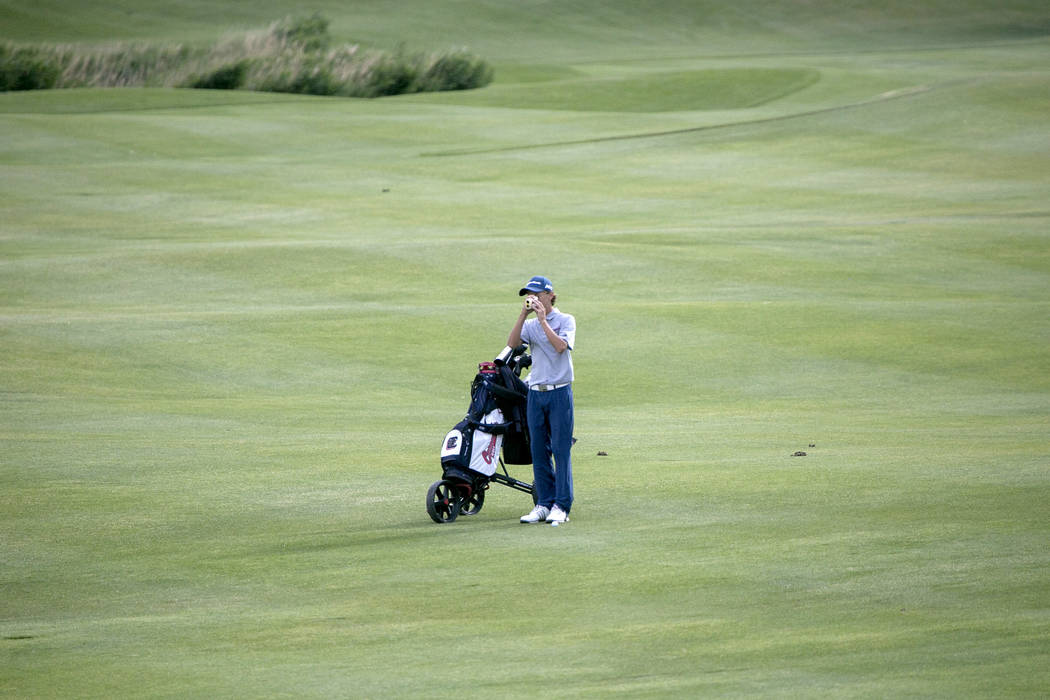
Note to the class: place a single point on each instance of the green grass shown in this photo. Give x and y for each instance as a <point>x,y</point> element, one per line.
<point>235,327</point>
<point>652,91</point>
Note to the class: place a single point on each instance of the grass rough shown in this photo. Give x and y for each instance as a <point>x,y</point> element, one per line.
<point>293,56</point>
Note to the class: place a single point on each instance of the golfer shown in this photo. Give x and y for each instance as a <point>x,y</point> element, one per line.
<point>550,337</point>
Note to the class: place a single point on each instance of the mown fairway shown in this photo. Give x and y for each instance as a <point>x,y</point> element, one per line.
<point>234,328</point>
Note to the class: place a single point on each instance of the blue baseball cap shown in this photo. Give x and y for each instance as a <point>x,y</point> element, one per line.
<point>535,285</point>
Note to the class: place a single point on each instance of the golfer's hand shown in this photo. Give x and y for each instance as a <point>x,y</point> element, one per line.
<point>537,306</point>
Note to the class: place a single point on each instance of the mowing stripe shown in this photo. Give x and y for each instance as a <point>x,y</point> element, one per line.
<point>884,97</point>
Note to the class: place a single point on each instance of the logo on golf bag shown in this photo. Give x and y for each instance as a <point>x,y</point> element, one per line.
<point>453,448</point>
<point>489,455</point>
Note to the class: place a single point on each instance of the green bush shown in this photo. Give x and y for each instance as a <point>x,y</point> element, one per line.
<point>291,73</point>
<point>226,77</point>
<point>292,55</point>
<point>316,80</point>
<point>26,69</point>
<point>390,76</point>
<point>458,70</point>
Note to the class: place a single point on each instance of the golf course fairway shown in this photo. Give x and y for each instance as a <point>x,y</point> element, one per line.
<point>807,246</point>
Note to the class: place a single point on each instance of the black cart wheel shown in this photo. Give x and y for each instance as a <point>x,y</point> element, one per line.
<point>443,501</point>
<point>472,505</point>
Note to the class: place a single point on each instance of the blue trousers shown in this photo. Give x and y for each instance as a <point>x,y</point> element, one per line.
<point>550,416</point>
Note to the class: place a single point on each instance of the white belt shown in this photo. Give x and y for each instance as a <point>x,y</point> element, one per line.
<point>547,387</point>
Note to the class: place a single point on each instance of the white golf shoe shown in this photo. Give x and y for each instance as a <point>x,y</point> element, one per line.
<point>536,515</point>
<point>557,515</point>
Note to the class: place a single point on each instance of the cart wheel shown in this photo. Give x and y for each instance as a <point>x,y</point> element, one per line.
<point>472,505</point>
<point>443,503</point>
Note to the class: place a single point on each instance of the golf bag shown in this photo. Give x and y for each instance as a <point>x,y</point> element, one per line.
<point>495,423</point>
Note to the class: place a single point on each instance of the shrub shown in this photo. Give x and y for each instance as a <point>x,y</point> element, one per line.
<point>314,80</point>
<point>26,69</point>
<point>457,70</point>
<point>291,72</point>
<point>388,76</point>
<point>292,55</point>
<point>226,77</point>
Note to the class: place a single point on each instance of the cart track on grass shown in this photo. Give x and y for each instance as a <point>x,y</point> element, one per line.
<point>879,99</point>
<point>817,53</point>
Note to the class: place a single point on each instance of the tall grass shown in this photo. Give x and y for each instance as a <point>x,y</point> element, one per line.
<point>292,55</point>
